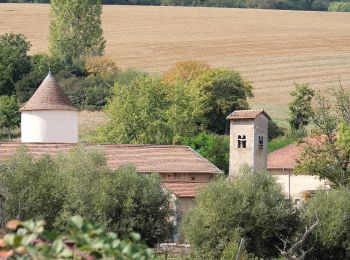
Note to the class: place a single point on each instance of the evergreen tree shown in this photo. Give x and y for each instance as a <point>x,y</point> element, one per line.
<point>75,29</point>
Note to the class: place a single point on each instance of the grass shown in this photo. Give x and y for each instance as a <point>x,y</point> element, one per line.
<point>272,48</point>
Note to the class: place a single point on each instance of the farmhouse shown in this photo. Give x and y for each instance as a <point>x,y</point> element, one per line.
<point>281,164</point>
<point>49,125</point>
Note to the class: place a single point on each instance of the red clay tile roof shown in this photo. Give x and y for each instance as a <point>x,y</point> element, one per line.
<point>184,189</point>
<point>49,96</point>
<point>146,158</point>
<point>284,158</point>
<point>246,114</point>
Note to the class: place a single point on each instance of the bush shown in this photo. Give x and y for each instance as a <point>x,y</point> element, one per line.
<point>81,239</point>
<point>331,239</point>
<point>215,148</point>
<point>252,206</point>
<point>32,189</point>
<point>339,7</point>
<point>79,183</point>
<point>185,71</point>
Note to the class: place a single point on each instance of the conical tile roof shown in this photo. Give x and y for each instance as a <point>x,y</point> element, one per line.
<point>49,96</point>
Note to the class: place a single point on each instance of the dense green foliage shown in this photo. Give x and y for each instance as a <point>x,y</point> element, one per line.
<point>148,111</point>
<point>300,107</point>
<point>81,239</point>
<point>80,183</point>
<point>327,155</point>
<point>331,239</point>
<point>75,29</point>
<point>318,5</point>
<point>339,7</point>
<point>252,206</point>
<point>218,92</point>
<point>14,61</point>
<point>214,148</point>
<point>9,114</point>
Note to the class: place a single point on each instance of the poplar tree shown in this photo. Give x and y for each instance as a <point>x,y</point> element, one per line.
<point>75,29</point>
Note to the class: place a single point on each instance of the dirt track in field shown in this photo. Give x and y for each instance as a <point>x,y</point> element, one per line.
<point>271,48</point>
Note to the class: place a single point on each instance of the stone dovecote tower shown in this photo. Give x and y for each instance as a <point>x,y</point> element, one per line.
<point>248,140</point>
<point>49,116</point>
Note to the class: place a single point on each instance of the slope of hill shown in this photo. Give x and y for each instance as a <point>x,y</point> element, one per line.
<point>271,48</point>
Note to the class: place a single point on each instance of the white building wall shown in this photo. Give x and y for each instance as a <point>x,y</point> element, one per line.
<point>295,185</point>
<point>49,126</point>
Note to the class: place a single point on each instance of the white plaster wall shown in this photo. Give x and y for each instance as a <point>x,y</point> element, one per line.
<point>298,183</point>
<point>241,156</point>
<point>49,126</point>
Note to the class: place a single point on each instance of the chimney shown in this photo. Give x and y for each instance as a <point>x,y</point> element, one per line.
<point>248,140</point>
<point>49,116</point>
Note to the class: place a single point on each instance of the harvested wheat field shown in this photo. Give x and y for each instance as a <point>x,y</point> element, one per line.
<point>271,48</point>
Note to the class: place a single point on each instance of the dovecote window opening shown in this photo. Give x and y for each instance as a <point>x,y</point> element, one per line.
<point>261,142</point>
<point>242,141</point>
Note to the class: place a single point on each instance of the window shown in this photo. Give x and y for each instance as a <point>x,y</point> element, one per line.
<point>261,142</point>
<point>242,141</point>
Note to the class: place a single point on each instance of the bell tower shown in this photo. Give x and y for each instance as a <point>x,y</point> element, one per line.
<point>248,140</point>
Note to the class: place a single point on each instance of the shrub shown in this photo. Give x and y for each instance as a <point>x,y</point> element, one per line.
<point>98,65</point>
<point>79,183</point>
<point>252,206</point>
<point>32,188</point>
<point>81,239</point>
<point>185,71</point>
<point>331,239</point>
<point>339,7</point>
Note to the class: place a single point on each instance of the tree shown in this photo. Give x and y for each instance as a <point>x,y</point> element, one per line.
<point>148,111</point>
<point>133,202</point>
<point>75,29</point>
<point>219,92</point>
<point>31,188</point>
<point>327,154</point>
<point>215,148</point>
<point>300,107</point>
<point>79,182</point>
<point>9,113</point>
<point>14,62</point>
<point>252,206</point>
<point>185,71</point>
<point>331,239</point>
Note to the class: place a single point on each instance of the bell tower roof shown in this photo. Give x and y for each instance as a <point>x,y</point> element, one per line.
<point>246,114</point>
<point>49,96</point>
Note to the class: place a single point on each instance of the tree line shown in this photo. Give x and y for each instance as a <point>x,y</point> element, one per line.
<point>315,5</point>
